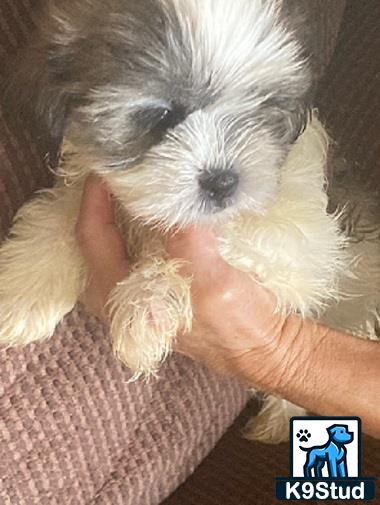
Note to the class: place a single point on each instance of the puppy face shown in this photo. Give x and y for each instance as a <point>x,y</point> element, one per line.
<point>188,106</point>
<point>340,434</point>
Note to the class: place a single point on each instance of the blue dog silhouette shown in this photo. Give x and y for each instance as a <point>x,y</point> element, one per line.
<point>334,453</point>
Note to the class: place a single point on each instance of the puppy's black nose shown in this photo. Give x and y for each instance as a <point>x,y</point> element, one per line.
<point>219,184</point>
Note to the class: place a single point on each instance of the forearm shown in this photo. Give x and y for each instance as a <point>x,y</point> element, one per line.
<point>327,372</point>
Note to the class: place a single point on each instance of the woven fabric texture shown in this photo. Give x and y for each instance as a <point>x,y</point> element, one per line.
<point>73,431</point>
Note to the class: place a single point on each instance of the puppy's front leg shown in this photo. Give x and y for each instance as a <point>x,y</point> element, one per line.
<point>147,310</point>
<point>41,270</point>
<point>271,425</point>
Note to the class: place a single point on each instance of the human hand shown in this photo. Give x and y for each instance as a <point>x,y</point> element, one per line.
<point>236,329</point>
<point>101,245</point>
<point>234,317</point>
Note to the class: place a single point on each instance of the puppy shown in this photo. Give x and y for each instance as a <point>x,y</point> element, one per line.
<point>193,111</point>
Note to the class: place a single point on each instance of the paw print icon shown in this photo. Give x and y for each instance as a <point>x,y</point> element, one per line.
<point>303,435</point>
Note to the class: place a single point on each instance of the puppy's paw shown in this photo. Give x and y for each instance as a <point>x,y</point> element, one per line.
<point>147,310</point>
<point>41,270</point>
<point>23,321</point>
<point>37,289</point>
<point>31,306</point>
<point>271,425</point>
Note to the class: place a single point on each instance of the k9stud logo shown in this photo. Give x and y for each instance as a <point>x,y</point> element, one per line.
<point>325,461</point>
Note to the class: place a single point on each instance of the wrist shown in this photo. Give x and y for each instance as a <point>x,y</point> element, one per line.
<point>302,352</point>
<point>282,365</point>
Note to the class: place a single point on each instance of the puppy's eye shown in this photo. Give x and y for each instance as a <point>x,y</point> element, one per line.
<point>157,121</point>
<point>163,122</point>
<point>165,116</point>
<point>169,118</point>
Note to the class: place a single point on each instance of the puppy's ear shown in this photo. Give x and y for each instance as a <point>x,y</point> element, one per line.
<point>302,112</point>
<point>288,116</point>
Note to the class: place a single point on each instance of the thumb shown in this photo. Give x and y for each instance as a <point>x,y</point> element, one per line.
<point>97,233</point>
<point>198,247</point>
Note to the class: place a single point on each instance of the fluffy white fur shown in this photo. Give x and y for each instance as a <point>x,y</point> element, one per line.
<point>295,249</point>
<point>226,34</point>
<point>41,270</point>
<point>236,69</point>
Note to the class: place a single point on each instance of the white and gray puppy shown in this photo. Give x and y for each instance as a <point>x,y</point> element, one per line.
<point>193,111</point>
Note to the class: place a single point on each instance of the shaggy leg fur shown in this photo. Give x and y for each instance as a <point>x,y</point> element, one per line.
<point>271,425</point>
<point>148,310</point>
<point>41,271</point>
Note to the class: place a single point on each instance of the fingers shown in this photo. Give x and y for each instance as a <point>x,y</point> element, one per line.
<point>97,207</point>
<point>98,236</point>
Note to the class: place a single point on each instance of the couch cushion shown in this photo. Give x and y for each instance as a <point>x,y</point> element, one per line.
<point>73,431</point>
<point>22,172</point>
<point>22,166</point>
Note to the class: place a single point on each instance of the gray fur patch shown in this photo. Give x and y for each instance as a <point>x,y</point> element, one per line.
<point>129,81</point>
